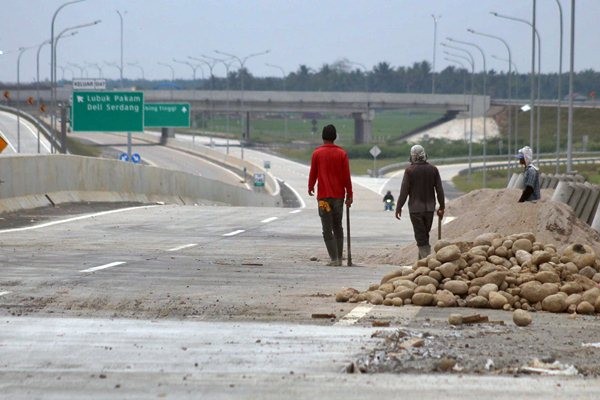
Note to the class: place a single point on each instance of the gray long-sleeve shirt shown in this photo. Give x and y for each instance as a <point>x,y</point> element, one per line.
<point>420,184</point>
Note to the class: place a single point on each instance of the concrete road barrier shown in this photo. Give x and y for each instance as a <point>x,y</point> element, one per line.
<point>41,180</point>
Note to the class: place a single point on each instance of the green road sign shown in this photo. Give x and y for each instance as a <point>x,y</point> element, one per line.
<point>108,111</point>
<point>175,115</point>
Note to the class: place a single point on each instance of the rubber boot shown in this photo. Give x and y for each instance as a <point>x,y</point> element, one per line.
<point>340,250</point>
<point>332,250</point>
<point>424,251</point>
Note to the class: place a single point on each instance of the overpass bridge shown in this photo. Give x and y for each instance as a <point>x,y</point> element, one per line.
<point>361,106</point>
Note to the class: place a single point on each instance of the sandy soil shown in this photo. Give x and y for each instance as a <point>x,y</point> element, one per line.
<point>554,344</point>
<point>497,210</point>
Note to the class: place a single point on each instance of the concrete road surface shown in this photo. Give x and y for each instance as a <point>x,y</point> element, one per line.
<point>226,302</point>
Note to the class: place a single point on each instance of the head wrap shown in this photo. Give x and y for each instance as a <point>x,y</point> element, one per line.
<point>417,153</point>
<point>526,154</point>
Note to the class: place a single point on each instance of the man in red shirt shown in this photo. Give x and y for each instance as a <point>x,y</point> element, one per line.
<point>330,167</point>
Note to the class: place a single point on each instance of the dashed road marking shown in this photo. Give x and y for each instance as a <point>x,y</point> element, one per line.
<point>234,232</point>
<point>353,316</point>
<point>184,246</point>
<point>295,211</point>
<point>112,264</point>
<point>3,293</point>
<point>268,220</point>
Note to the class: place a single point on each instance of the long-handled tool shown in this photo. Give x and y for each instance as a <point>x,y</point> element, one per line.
<point>439,227</point>
<point>348,235</point>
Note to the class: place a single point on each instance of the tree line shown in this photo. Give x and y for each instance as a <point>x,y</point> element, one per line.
<point>345,76</point>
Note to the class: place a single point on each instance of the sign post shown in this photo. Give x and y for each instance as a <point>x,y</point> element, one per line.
<point>375,151</point>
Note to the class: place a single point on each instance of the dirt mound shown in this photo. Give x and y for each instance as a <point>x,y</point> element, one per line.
<point>498,211</point>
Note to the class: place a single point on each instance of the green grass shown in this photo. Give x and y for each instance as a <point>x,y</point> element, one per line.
<point>76,147</point>
<point>386,126</point>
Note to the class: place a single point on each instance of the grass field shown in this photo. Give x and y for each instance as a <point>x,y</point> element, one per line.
<point>386,126</point>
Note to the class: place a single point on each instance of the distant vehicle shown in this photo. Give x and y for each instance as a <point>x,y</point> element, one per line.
<point>576,97</point>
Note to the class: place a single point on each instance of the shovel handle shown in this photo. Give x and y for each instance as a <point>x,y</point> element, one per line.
<point>348,235</point>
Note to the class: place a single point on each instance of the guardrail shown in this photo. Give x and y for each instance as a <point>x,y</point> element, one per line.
<point>36,122</point>
<point>548,159</point>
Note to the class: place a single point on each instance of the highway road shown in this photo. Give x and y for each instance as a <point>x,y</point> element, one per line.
<point>29,141</point>
<point>217,302</point>
<point>152,153</point>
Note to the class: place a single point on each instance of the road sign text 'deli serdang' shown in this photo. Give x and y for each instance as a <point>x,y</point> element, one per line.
<point>108,111</point>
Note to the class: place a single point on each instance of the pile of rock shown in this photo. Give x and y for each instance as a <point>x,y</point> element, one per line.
<point>494,271</point>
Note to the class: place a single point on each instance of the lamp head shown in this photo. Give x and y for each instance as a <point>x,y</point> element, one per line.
<point>470,30</point>
<point>495,14</point>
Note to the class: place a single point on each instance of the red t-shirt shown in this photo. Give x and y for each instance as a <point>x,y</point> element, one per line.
<point>330,167</point>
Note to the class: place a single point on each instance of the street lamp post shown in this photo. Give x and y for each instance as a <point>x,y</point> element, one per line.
<point>516,91</point>
<point>172,75</point>
<point>570,120</point>
<point>283,75</point>
<point>121,65</point>
<point>484,105</point>
<point>558,108</point>
<point>509,85</point>
<point>53,55</point>
<point>435,21</point>
<point>532,89</point>
<point>242,62</point>
<point>21,51</point>
<point>79,67</point>
<point>471,62</point>
<point>37,70</point>
<point>54,47</point>
<point>137,65</point>
<point>98,67</point>
<point>460,63</point>
<point>192,66</point>
<point>210,65</point>
<point>227,63</point>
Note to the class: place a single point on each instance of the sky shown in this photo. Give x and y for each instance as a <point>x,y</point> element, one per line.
<point>295,32</point>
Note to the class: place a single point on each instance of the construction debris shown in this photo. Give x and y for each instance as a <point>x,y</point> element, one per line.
<point>513,272</point>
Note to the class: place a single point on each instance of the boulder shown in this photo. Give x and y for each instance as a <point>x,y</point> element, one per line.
<point>448,253</point>
<point>422,299</point>
<point>555,303</point>
<point>457,287</point>
<point>521,318</point>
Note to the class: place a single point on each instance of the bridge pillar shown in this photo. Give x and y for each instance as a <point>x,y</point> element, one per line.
<point>362,127</point>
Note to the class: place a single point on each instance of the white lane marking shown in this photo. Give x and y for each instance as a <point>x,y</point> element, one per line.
<point>234,232</point>
<point>353,316</point>
<point>268,220</point>
<point>3,293</point>
<point>302,203</point>
<point>295,211</point>
<point>112,264</point>
<point>185,246</point>
<point>26,228</point>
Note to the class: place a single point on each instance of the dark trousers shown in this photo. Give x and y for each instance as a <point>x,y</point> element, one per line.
<point>421,223</point>
<point>331,219</point>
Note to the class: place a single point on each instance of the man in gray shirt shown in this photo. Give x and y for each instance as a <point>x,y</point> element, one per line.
<point>421,184</point>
